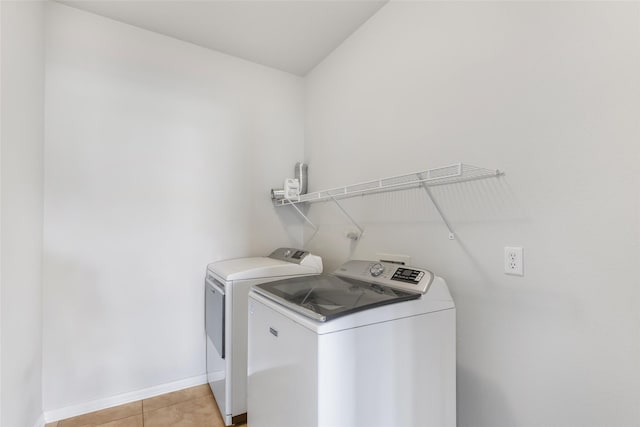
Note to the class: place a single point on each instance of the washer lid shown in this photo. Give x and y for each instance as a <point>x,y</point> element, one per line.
<point>259,267</point>
<point>327,297</point>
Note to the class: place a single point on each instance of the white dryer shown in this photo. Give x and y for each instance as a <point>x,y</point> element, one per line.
<point>372,345</point>
<point>227,285</point>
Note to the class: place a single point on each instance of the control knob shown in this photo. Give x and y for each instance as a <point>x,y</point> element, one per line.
<point>376,269</point>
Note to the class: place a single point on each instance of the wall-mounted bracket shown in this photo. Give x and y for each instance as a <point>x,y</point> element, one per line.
<point>293,204</point>
<point>435,205</point>
<point>352,236</point>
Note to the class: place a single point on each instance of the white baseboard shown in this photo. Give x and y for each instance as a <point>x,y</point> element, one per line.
<point>121,399</point>
<point>39,422</point>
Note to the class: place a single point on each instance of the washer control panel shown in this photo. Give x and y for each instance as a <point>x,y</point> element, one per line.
<point>408,275</point>
<point>387,274</point>
<point>376,269</point>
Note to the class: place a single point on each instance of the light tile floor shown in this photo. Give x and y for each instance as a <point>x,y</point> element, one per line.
<point>191,407</point>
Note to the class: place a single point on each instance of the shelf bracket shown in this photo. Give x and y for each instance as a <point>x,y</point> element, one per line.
<point>292,203</point>
<point>352,236</point>
<point>435,204</point>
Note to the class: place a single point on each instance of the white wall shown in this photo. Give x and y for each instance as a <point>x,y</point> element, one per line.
<point>22,119</point>
<point>549,92</point>
<point>159,159</point>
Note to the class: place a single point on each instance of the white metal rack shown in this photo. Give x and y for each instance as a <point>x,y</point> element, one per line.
<point>451,174</point>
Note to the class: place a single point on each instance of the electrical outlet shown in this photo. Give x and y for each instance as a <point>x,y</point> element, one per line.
<point>513,261</point>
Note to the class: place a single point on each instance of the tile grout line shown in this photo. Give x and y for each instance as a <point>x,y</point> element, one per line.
<point>142,413</point>
<point>107,422</point>
<point>174,403</point>
<point>182,402</point>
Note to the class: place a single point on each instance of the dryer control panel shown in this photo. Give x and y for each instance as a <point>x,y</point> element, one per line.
<point>289,254</point>
<point>297,256</point>
<point>387,274</point>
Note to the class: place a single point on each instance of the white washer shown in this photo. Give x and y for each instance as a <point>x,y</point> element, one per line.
<point>373,344</point>
<point>226,287</point>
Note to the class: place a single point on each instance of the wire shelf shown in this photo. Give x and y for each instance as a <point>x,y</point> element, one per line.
<point>459,172</point>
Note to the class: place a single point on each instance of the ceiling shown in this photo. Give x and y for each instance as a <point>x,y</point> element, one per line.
<point>290,35</point>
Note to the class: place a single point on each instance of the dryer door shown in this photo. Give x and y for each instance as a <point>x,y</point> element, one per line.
<point>214,313</point>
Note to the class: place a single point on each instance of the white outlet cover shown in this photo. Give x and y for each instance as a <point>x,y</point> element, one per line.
<point>514,260</point>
